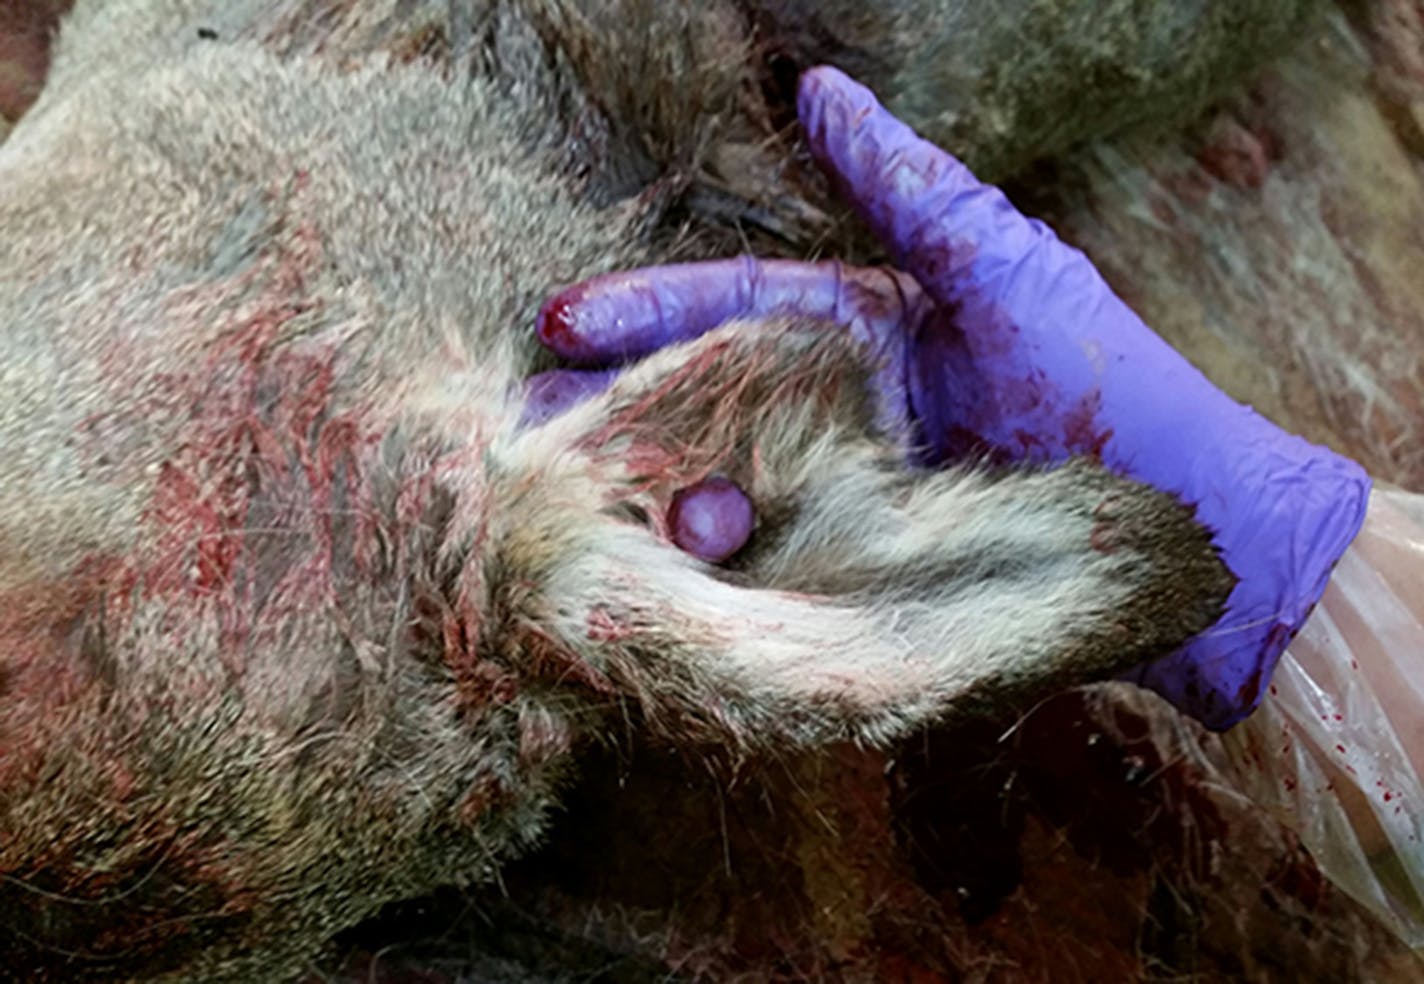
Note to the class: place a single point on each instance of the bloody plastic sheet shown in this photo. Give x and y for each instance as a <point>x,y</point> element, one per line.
<point>1336,750</point>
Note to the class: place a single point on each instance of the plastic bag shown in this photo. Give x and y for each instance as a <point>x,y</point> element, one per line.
<point>1336,749</point>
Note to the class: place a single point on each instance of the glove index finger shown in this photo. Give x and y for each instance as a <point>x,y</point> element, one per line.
<point>940,222</point>
<point>619,317</point>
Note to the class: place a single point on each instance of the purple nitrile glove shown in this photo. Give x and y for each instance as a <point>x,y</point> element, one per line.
<point>627,315</point>
<point>548,394</point>
<point>1018,347</point>
<point>712,519</point>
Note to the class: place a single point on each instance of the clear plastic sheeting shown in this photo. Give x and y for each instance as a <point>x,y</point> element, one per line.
<point>1336,749</point>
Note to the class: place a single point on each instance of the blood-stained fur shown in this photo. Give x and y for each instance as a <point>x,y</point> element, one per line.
<point>295,619</point>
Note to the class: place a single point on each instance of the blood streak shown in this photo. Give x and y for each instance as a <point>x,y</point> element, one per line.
<point>1081,433</point>
<point>557,326</point>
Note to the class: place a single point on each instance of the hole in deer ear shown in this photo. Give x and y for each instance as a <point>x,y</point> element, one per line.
<point>712,519</point>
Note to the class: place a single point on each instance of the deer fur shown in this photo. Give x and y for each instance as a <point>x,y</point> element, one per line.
<point>296,619</point>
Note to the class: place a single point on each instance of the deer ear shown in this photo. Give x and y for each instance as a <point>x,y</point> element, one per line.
<point>873,597</point>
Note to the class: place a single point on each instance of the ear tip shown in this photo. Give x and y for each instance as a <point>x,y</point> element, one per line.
<point>1187,583</point>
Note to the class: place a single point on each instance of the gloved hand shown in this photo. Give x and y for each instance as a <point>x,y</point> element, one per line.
<point>1006,341</point>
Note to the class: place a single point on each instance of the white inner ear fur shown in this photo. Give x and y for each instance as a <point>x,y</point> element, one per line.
<point>870,664</point>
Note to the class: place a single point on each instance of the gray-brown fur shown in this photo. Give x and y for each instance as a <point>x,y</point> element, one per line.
<point>294,620</point>
<point>1004,83</point>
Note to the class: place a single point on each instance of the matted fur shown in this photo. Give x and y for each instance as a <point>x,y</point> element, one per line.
<point>295,620</point>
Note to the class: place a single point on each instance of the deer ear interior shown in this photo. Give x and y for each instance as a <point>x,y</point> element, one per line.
<point>873,596</point>
<point>738,400</point>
